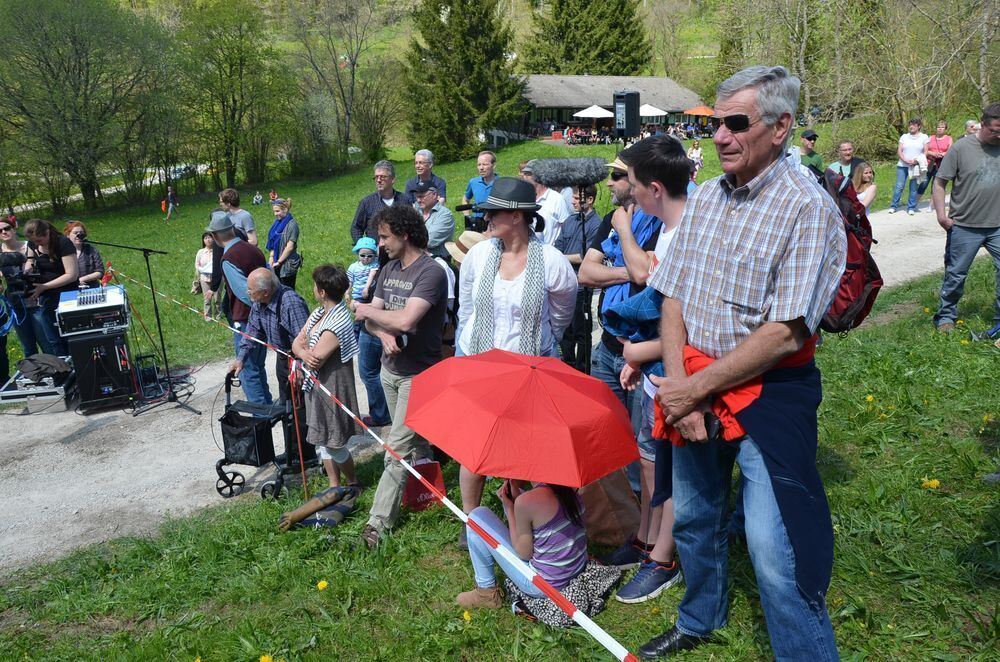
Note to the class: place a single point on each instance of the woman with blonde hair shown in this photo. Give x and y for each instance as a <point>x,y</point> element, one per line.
<point>283,242</point>
<point>864,183</point>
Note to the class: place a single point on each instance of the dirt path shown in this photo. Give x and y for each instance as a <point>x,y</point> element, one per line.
<point>71,480</point>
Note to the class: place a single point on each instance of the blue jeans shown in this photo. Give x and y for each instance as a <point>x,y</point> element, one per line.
<point>962,246</point>
<point>483,555</point>
<point>43,325</point>
<point>902,172</point>
<point>24,327</point>
<point>369,367</point>
<point>607,366</point>
<point>253,377</point>
<point>799,629</point>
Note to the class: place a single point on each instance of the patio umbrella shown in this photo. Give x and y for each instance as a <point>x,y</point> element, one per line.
<point>646,110</point>
<point>527,417</point>
<point>700,110</point>
<point>594,112</point>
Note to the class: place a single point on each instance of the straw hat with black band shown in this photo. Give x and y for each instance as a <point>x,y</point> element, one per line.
<point>461,246</point>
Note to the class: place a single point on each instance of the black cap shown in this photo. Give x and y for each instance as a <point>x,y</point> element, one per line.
<point>424,186</point>
<point>809,134</point>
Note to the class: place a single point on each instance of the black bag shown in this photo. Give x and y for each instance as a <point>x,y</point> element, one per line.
<point>39,366</point>
<point>246,439</point>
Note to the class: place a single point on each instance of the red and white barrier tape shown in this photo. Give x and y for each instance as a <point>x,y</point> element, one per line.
<point>584,621</point>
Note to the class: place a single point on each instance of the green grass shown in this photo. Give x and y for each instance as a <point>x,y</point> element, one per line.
<point>917,571</point>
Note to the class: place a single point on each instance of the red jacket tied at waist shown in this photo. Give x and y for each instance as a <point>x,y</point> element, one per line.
<point>728,403</point>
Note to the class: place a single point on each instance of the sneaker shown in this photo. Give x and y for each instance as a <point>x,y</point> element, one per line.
<point>481,598</point>
<point>629,555</point>
<point>463,539</point>
<point>892,210</point>
<point>910,212</point>
<point>651,580</point>
<point>989,334</point>
<point>946,327</point>
<point>371,537</point>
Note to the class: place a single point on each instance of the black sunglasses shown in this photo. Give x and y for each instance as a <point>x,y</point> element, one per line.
<point>618,176</point>
<point>737,123</point>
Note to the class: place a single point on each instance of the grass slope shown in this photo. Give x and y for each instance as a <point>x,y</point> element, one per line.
<point>917,572</point>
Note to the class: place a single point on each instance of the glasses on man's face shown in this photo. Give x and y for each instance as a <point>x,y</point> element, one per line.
<point>737,123</point>
<point>381,178</point>
<point>618,176</point>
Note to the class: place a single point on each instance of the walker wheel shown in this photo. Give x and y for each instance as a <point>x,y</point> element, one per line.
<point>273,490</point>
<point>230,484</point>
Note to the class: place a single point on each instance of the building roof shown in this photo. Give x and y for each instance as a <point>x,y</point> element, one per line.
<point>553,91</point>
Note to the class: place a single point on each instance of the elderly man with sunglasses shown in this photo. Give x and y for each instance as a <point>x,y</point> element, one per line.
<point>752,269</point>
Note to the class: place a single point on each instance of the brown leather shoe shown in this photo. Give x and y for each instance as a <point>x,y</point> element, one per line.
<point>945,327</point>
<point>370,536</point>
<point>481,598</point>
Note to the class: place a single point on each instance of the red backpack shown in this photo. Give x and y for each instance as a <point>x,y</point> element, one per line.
<point>861,280</point>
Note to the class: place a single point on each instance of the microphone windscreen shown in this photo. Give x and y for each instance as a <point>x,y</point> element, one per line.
<point>579,171</point>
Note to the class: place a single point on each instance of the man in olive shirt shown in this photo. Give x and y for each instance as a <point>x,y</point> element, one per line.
<point>808,155</point>
<point>972,220</point>
<point>407,314</point>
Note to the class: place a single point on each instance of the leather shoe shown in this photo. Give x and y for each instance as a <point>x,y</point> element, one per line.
<point>670,641</point>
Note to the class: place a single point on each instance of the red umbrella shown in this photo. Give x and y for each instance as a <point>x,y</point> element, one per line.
<point>527,417</point>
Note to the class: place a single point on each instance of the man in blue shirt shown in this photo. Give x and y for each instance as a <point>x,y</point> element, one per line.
<point>479,189</point>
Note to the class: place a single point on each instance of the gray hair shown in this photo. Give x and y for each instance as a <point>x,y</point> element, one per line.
<point>387,166</point>
<point>267,283</point>
<point>777,91</point>
<point>427,154</point>
<point>969,124</point>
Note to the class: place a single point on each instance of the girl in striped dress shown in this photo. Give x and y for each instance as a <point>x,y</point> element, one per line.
<point>327,346</point>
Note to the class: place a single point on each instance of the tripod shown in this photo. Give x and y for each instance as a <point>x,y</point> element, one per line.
<point>171,394</point>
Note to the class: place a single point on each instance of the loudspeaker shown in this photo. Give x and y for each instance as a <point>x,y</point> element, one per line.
<point>626,114</point>
<point>103,369</point>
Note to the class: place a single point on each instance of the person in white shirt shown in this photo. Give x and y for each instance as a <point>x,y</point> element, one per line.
<point>912,151</point>
<point>864,184</point>
<point>515,292</point>
<point>552,206</point>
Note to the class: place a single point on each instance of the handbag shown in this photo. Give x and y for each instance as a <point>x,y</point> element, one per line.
<point>416,496</point>
<point>611,511</point>
<point>196,286</point>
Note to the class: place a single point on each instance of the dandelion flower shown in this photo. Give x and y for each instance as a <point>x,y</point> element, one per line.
<point>988,418</point>
<point>931,484</point>
<point>266,658</point>
<point>654,610</point>
<point>959,321</point>
<point>467,616</point>
<point>322,584</point>
<point>926,309</point>
<point>869,398</point>
<point>964,341</point>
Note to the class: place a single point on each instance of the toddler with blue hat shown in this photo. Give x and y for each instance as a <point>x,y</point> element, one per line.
<point>367,263</point>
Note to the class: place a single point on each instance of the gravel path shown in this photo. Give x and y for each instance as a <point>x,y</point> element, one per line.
<point>71,480</point>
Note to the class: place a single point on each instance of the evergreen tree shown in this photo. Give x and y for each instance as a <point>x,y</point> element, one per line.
<point>596,37</point>
<point>460,79</point>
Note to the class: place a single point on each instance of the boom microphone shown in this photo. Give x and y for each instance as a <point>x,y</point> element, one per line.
<point>575,172</point>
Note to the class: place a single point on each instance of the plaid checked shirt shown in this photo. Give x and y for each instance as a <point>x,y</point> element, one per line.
<point>772,250</point>
<point>276,324</point>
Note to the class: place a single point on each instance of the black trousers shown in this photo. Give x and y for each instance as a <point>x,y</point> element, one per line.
<point>576,341</point>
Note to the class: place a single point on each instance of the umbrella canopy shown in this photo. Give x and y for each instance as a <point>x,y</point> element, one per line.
<point>646,110</point>
<point>526,417</point>
<point>594,112</point>
<point>700,110</point>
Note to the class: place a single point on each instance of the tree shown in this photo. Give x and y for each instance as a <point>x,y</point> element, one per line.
<point>70,73</point>
<point>336,37</point>
<point>227,60</point>
<point>460,77</point>
<point>596,37</point>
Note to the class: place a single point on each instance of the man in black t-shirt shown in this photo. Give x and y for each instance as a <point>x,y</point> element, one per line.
<point>407,314</point>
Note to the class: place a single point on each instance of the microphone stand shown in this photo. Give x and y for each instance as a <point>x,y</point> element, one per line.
<point>171,394</point>
<point>583,349</point>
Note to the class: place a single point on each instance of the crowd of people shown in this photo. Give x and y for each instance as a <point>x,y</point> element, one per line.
<point>709,321</point>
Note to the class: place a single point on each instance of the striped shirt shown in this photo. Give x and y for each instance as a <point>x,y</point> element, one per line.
<point>560,548</point>
<point>772,250</point>
<point>340,323</point>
